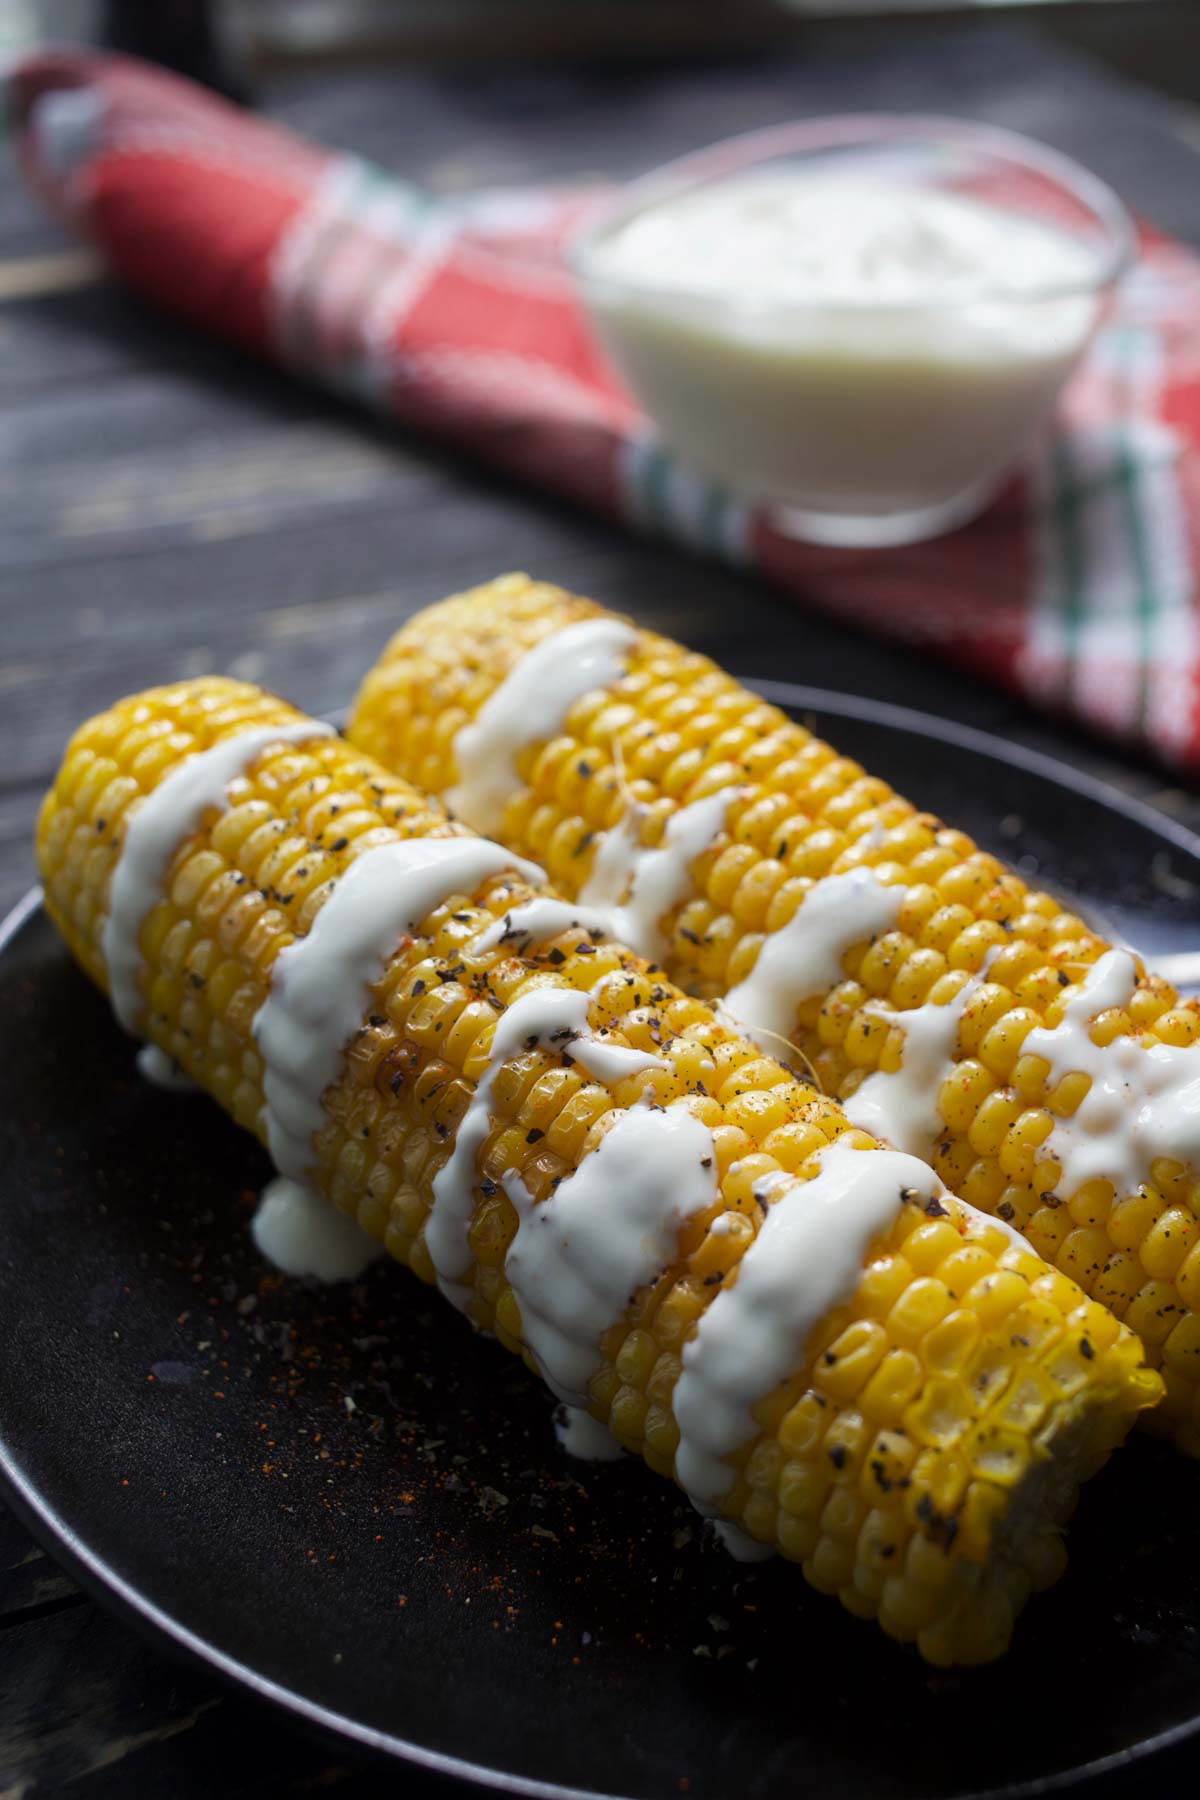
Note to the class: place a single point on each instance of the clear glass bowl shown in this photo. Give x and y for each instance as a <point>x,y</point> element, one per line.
<point>868,370</point>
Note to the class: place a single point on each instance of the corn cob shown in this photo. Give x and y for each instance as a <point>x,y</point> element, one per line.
<point>961,953</point>
<point>928,1437</point>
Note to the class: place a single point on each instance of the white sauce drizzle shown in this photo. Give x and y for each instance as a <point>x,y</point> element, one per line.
<point>806,1259</point>
<point>157,825</point>
<point>319,983</point>
<point>531,704</point>
<point>579,1258</point>
<point>637,887</point>
<point>1144,1101</point>
<point>533,922</point>
<point>901,1105</point>
<point>303,1234</point>
<point>739,1544</point>
<point>583,1437</point>
<point>555,1019</point>
<point>804,957</point>
<point>162,1071</point>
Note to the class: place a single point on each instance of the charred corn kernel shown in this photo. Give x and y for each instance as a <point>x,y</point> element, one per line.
<point>828,1471</point>
<point>674,728</point>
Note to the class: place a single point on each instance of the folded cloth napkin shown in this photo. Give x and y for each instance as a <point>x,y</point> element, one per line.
<point>1078,588</point>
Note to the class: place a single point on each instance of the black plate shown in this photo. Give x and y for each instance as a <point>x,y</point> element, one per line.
<point>351,1506</point>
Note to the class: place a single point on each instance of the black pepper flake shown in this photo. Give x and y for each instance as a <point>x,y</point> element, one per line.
<point>882,1479</point>
<point>830,1358</point>
<point>535,1136</point>
<point>585,843</point>
<point>443,1131</point>
<point>715,1279</point>
<point>557,956</point>
<point>837,1455</point>
<point>585,949</point>
<point>584,769</point>
<point>339,843</point>
<point>939,1526</point>
<point>100,824</point>
<point>1086,1350</point>
<point>934,1208</point>
<point>706,1162</point>
<point>376,1019</point>
<point>1064,980</point>
<point>1005,1210</point>
<point>689,935</point>
<point>489,1187</point>
<point>418,987</point>
<point>397,1081</point>
<point>366,1131</point>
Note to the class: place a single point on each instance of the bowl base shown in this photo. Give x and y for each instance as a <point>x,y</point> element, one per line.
<point>881,531</point>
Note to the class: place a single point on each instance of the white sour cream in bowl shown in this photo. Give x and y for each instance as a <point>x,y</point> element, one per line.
<point>857,322</point>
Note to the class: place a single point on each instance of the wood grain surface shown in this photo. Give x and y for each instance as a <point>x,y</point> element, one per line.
<point>167,508</point>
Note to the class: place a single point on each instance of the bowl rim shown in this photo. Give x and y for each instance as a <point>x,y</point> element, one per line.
<point>734,155</point>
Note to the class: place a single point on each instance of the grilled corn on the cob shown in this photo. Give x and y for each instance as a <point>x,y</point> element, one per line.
<point>915,1449</point>
<point>949,1007</point>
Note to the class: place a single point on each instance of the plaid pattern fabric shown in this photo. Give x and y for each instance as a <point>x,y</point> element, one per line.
<point>1077,588</point>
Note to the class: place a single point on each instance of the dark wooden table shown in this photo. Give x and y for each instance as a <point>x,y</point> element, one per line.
<point>167,508</point>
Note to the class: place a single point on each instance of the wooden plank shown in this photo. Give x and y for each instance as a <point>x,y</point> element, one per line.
<point>85,1700</point>
<point>29,1582</point>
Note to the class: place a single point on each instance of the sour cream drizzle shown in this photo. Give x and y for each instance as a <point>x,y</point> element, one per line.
<point>162,1071</point>
<point>536,920</point>
<point>531,704</point>
<point>1144,1101</point>
<point>583,1437</point>
<point>320,982</point>
<point>605,1232</point>
<point>804,957</point>
<point>738,1543</point>
<point>636,887</point>
<point>901,1105</point>
<point>304,1234</point>
<point>157,825</point>
<point>807,1257</point>
<point>554,1019</point>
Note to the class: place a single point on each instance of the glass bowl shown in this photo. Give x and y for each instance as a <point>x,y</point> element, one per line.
<point>858,322</point>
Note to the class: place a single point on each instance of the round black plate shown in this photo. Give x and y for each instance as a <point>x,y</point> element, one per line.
<point>347,1503</point>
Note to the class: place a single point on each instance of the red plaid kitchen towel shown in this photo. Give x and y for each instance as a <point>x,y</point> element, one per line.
<point>1078,587</point>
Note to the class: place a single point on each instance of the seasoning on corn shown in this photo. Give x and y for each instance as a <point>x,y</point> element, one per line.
<point>591,1163</point>
<point>950,1008</point>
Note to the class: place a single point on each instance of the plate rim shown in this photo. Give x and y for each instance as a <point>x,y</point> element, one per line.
<point>121,1596</point>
